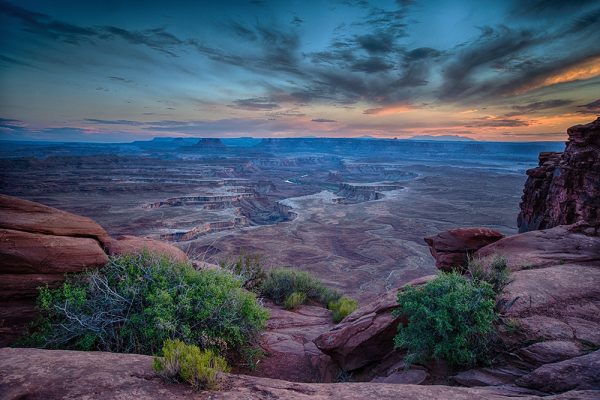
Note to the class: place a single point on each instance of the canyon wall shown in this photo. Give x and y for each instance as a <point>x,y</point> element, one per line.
<point>565,187</point>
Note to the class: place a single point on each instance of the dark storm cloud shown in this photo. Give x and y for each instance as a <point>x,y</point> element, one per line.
<point>590,108</point>
<point>255,104</point>
<point>538,106</point>
<point>495,123</point>
<point>323,120</point>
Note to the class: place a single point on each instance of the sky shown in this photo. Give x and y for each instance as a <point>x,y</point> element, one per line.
<point>106,71</point>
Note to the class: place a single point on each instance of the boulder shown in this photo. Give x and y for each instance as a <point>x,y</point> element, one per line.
<point>28,216</point>
<point>366,335</point>
<point>40,244</point>
<point>135,245</point>
<point>46,374</point>
<point>451,249</point>
<point>565,187</point>
<point>578,373</point>
<point>563,244</point>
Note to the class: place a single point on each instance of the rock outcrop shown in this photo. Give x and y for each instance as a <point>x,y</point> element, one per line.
<point>452,249</point>
<point>135,245</point>
<point>51,374</point>
<point>565,187</point>
<point>551,314</point>
<point>288,344</point>
<point>40,244</point>
<point>366,335</point>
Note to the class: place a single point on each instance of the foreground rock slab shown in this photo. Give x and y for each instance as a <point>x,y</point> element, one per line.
<point>54,374</point>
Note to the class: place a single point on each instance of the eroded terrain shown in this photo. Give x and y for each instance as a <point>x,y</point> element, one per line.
<point>353,212</point>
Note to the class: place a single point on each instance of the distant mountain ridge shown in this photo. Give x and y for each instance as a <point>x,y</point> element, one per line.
<point>443,138</point>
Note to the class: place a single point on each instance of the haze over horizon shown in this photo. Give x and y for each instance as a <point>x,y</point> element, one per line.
<point>115,71</point>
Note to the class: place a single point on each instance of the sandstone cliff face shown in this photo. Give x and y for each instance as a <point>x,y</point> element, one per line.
<point>565,187</point>
<point>40,244</point>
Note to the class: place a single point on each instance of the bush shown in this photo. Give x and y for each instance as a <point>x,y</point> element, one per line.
<point>496,274</point>
<point>294,300</point>
<point>450,318</point>
<point>188,363</point>
<point>342,308</point>
<point>137,302</point>
<point>248,268</point>
<point>282,282</point>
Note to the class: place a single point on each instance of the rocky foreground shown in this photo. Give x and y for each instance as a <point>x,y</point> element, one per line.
<point>50,374</point>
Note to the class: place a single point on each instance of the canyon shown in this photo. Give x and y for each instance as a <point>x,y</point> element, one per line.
<point>367,238</point>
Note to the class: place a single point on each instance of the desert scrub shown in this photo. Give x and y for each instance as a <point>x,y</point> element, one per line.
<point>342,307</point>
<point>294,300</point>
<point>190,364</point>
<point>450,318</point>
<point>137,302</point>
<point>248,268</point>
<point>283,282</point>
<point>497,273</point>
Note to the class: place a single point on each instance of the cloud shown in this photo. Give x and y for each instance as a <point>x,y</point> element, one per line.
<point>496,123</point>
<point>538,106</point>
<point>119,79</point>
<point>590,108</point>
<point>8,125</point>
<point>254,104</point>
<point>323,120</point>
<point>114,122</point>
<point>389,110</point>
<point>43,25</point>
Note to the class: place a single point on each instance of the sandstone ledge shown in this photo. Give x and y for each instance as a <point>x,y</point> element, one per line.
<point>52,374</point>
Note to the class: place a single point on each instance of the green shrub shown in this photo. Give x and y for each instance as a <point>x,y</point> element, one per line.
<point>496,274</point>
<point>188,363</point>
<point>248,268</point>
<point>251,356</point>
<point>294,300</point>
<point>450,318</point>
<point>342,307</point>
<point>282,282</point>
<point>137,302</point>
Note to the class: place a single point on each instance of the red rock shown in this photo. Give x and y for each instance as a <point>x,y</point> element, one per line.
<point>28,216</point>
<point>565,187</point>
<point>39,244</point>
<point>35,253</point>
<point>367,334</point>
<point>288,343</point>
<point>51,374</point>
<point>451,249</point>
<point>411,376</point>
<point>579,373</point>
<point>135,245</point>
<point>535,249</point>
